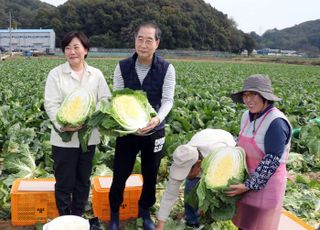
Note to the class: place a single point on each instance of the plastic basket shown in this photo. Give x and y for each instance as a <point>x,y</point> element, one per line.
<point>33,201</point>
<point>129,206</point>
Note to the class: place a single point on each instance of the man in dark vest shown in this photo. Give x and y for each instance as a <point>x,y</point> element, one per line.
<point>145,71</point>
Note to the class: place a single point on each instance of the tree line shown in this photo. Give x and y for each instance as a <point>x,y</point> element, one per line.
<point>185,24</point>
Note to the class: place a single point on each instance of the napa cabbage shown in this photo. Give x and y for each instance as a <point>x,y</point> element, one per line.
<point>127,112</point>
<point>222,165</point>
<point>75,111</point>
<point>76,108</point>
<point>221,168</point>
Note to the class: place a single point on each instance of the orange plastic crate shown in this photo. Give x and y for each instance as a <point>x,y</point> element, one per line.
<point>129,206</point>
<point>32,201</point>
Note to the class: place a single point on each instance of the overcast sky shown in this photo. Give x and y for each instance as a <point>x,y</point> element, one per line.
<point>261,15</point>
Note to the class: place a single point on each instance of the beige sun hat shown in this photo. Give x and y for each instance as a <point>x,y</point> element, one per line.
<point>184,157</point>
<point>207,140</point>
<point>259,83</point>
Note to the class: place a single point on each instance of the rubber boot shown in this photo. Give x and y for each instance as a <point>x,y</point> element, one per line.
<point>147,221</point>
<point>114,221</point>
<point>95,223</point>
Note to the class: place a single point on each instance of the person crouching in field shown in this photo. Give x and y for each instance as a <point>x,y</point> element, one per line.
<point>186,165</point>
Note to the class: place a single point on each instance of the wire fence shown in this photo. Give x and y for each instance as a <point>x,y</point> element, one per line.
<point>121,53</point>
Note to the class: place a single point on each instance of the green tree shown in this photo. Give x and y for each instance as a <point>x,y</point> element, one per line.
<point>249,43</point>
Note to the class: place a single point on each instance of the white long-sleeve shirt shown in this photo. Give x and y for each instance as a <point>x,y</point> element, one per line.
<point>169,198</point>
<point>61,81</point>
<point>167,88</point>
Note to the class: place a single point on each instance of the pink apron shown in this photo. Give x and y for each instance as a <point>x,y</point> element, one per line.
<point>260,210</point>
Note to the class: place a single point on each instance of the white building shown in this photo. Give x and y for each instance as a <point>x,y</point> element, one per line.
<point>28,39</point>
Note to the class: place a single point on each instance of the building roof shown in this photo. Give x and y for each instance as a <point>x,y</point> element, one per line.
<point>26,30</point>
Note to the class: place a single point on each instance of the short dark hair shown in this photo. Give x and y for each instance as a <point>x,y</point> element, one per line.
<point>152,25</point>
<point>200,156</point>
<point>75,34</point>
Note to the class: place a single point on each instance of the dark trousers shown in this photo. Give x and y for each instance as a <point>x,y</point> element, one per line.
<point>72,170</point>
<point>192,215</point>
<point>127,148</point>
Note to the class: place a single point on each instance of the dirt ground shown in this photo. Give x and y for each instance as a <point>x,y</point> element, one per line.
<point>314,176</point>
<point>6,225</point>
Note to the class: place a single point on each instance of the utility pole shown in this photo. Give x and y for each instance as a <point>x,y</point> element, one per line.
<point>10,48</point>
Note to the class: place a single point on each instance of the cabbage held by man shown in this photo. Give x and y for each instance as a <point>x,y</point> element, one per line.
<point>127,112</point>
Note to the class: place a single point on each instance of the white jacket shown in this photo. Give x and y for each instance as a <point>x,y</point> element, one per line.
<point>61,81</point>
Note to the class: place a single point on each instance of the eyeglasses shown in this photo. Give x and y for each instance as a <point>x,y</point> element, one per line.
<point>148,41</point>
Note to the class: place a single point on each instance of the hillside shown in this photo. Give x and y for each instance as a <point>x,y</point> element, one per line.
<point>186,24</point>
<point>302,37</point>
<point>24,13</point>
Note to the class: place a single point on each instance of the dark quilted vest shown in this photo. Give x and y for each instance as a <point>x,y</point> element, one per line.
<point>153,82</point>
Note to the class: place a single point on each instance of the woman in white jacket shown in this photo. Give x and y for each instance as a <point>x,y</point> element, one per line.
<point>72,166</point>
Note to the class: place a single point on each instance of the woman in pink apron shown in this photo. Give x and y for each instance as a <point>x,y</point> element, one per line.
<point>265,136</point>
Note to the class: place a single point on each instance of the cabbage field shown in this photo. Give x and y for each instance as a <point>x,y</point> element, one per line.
<point>201,101</point>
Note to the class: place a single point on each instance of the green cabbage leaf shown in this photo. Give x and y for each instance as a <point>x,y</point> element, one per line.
<point>127,112</point>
